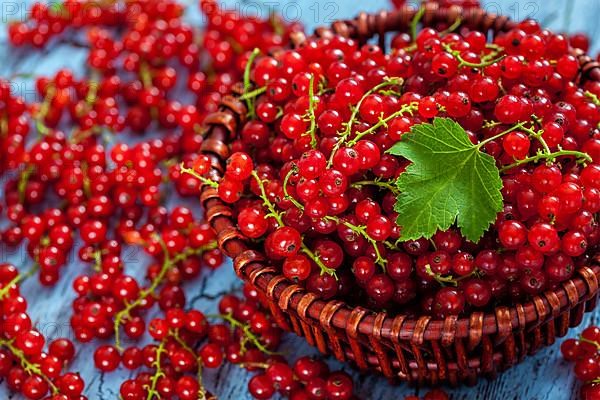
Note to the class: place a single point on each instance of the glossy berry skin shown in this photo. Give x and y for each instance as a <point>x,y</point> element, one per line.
<point>512,234</point>
<point>239,166</point>
<point>252,222</point>
<point>284,242</point>
<point>448,301</point>
<point>587,368</point>
<point>106,358</point>
<point>261,387</point>
<point>339,386</point>
<point>543,237</point>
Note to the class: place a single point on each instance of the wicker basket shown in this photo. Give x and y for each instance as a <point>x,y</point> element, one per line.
<point>424,350</point>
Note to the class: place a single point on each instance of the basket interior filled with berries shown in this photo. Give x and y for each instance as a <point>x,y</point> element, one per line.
<point>424,205</point>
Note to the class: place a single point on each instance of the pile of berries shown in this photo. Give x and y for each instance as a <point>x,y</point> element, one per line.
<point>585,353</point>
<point>311,177</point>
<point>24,364</point>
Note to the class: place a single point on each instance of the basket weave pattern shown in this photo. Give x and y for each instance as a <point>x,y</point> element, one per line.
<point>424,350</point>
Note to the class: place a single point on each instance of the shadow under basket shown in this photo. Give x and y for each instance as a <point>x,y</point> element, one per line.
<point>454,350</point>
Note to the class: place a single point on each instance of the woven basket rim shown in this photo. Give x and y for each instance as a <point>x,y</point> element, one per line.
<point>361,320</point>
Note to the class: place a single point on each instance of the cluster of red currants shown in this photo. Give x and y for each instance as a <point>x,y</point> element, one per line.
<point>584,352</point>
<point>24,364</point>
<point>311,175</point>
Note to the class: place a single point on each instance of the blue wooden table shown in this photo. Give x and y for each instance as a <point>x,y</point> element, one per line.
<point>542,377</point>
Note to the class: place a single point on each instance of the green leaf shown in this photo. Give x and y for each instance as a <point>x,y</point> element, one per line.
<point>449,180</point>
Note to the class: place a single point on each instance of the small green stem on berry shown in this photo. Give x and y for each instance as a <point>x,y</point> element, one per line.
<point>17,279</point>
<point>405,109</point>
<point>495,51</point>
<point>415,22</point>
<point>491,124</point>
<point>145,75</point>
<point>247,82</point>
<point>205,181</point>
<point>23,180</point>
<point>29,367</point>
<point>455,25</point>
<point>295,202</point>
<point>449,279</point>
<point>386,83</point>
<point>158,374</point>
<point>44,110</point>
<point>97,254</point>
<point>311,113</point>
<point>520,125</point>
<point>464,63</point>
<point>348,129</point>
<point>549,157</point>
<point>592,97</point>
<point>324,269</point>
<point>584,340</point>
<point>266,202</point>
<point>248,335</point>
<point>382,184</point>
<point>253,93</point>
<point>94,84</point>
<point>360,230</point>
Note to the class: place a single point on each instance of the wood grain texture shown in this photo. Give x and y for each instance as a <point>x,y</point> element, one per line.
<point>541,377</point>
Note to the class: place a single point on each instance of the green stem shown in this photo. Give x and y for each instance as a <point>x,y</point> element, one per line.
<point>464,63</point>
<point>406,108</point>
<point>44,110</point>
<point>491,124</point>
<point>16,280</point>
<point>550,157</point>
<point>206,181</point>
<point>584,340</point>
<point>324,269</point>
<point>593,97</point>
<point>266,202</point>
<point>311,113</point>
<point>449,279</point>
<point>92,94</point>
<point>248,335</point>
<point>382,184</point>
<point>295,202</point>
<point>152,392</point>
<point>248,83</point>
<point>348,130</point>
<point>415,22</point>
<point>97,261</point>
<point>145,75</point>
<point>457,22</point>
<point>23,180</point>
<point>520,125</point>
<point>253,93</point>
<point>360,230</point>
